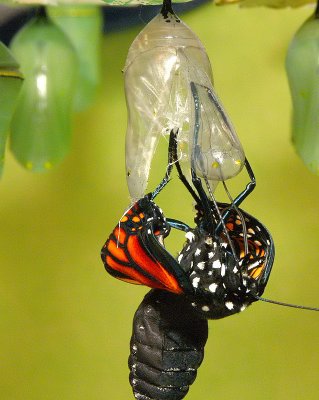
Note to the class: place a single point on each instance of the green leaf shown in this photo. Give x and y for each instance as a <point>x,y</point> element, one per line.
<point>302,64</point>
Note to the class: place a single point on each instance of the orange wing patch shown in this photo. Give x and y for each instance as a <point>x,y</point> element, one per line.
<point>116,251</point>
<point>126,259</point>
<point>151,266</point>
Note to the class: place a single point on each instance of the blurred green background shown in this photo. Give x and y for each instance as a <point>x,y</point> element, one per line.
<point>65,324</point>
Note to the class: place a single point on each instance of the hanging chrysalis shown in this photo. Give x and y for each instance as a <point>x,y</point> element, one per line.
<point>83,26</point>
<point>169,86</point>
<point>302,64</point>
<point>10,84</point>
<point>41,125</point>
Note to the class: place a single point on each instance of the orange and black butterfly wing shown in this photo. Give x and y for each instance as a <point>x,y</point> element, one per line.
<point>261,249</point>
<point>139,258</point>
<point>174,276</point>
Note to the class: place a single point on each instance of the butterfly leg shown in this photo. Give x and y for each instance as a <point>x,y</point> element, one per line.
<point>171,145</point>
<point>176,224</point>
<point>241,197</point>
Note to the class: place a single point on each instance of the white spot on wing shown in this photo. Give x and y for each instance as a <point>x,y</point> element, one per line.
<point>179,258</point>
<point>195,282</point>
<point>205,308</point>
<point>201,265</point>
<point>212,287</point>
<point>229,305</point>
<point>197,252</point>
<point>216,264</point>
<point>190,236</point>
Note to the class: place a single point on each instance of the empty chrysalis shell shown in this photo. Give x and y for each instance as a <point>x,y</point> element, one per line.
<point>41,125</point>
<point>10,84</point>
<point>162,62</point>
<point>216,151</point>
<point>302,64</point>
<point>83,25</point>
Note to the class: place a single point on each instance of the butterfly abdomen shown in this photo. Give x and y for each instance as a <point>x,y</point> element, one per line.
<point>167,347</point>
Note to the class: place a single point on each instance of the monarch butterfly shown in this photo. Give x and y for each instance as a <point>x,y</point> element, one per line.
<point>167,346</point>
<point>235,262</point>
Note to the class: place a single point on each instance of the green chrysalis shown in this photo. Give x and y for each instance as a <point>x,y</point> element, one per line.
<point>41,125</point>
<point>302,64</point>
<point>83,26</point>
<point>10,84</point>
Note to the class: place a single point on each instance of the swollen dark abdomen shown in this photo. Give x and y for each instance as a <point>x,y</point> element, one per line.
<point>167,347</point>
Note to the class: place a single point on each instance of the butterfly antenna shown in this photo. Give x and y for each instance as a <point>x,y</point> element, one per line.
<point>280,303</point>
<point>245,193</point>
<point>181,175</point>
<point>169,168</point>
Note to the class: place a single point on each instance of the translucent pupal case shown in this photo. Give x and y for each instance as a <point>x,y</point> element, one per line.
<point>41,125</point>
<point>217,154</point>
<point>157,91</point>
<point>162,63</point>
